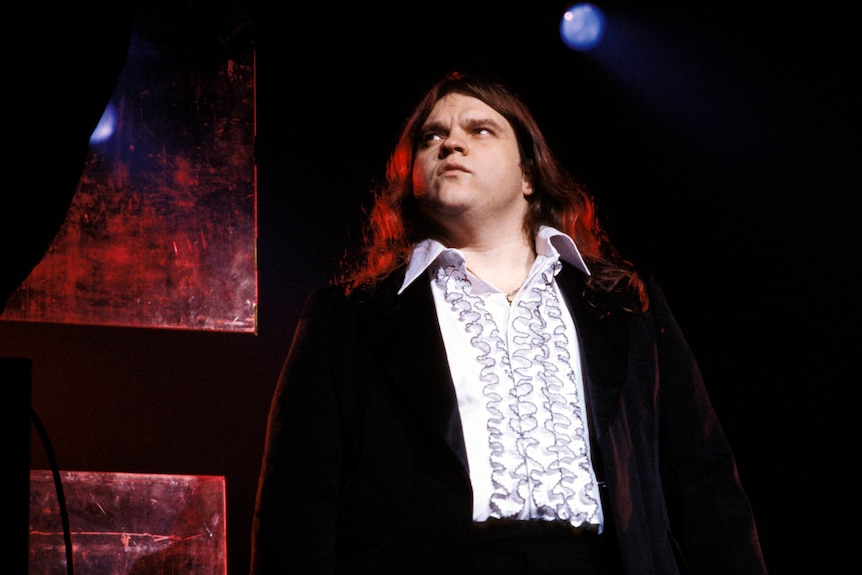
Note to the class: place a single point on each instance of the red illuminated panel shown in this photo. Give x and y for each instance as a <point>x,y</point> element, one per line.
<point>129,523</point>
<point>162,229</point>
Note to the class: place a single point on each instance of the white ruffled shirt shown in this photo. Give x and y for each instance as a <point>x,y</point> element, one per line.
<point>518,380</point>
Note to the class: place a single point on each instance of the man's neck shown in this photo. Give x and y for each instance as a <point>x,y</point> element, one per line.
<point>503,263</point>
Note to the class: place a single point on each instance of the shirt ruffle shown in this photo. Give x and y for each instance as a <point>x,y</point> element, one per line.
<point>540,465</point>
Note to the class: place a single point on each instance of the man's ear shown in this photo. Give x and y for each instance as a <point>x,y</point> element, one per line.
<point>526,186</point>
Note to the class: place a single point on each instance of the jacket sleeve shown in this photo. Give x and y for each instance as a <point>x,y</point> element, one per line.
<point>710,513</point>
<point>295,509</point>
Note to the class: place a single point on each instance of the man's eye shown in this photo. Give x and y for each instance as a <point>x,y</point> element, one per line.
<point>483,131</point>
<point>430,138</point>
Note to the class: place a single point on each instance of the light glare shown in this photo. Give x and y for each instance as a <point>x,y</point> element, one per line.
<point>106,126</point>
<point>582,27</point>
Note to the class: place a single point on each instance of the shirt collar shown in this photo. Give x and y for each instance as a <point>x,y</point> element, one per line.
<point>550,242</point>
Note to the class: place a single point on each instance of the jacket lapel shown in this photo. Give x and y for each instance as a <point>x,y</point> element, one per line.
<point>406,332</point>
<point>603,339</point>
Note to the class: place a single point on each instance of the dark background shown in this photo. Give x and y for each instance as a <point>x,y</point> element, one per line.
<point>721,142</point>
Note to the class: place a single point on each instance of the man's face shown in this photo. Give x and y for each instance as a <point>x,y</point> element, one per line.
<point>468,165</point>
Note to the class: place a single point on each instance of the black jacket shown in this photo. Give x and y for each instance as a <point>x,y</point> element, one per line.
<point>365,466</point>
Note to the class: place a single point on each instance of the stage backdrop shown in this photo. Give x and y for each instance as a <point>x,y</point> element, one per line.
<point>162,229</point>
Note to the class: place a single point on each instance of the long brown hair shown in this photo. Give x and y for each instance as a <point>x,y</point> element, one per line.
<point>395,224</point>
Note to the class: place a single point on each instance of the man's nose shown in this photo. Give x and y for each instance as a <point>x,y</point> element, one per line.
<point>453,143</point>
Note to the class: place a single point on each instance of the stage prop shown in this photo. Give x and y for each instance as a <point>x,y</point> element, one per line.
<point>128,524</point>
<point>161,231</point>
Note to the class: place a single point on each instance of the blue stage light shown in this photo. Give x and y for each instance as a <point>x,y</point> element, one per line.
<point>107,125</point>
<point>582,27</point>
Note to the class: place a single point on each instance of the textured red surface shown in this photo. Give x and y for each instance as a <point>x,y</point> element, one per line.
<point>161,231</point>
<point>129,523</point>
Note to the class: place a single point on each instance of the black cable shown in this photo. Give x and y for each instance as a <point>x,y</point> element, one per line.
<point>58,483</point>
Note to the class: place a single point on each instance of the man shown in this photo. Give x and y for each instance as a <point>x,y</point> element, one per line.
<point>493,389</point>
